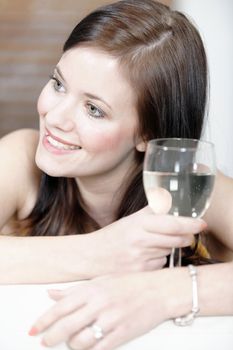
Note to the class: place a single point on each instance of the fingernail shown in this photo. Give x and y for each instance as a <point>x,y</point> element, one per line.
<point>54,291</point>
<point>33,331</point>
<point>203,224</point>
<point>43,343</point>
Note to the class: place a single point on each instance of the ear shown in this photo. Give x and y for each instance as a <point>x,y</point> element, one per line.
<point>141,146</point>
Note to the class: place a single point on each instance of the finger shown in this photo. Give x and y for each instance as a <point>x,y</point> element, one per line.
<point>83,340</point>
<point>109,322</point>
<point>112,340</point>
<point>168,224</point>
<point>159,199</point>
<point>67,327</point>
<point>155,264</point>
<point>56,294</point>
<point>62,308</point>
<point>153,252</point>
<point>120,335</point>
<point>155,242</point>
<point>87,338</point>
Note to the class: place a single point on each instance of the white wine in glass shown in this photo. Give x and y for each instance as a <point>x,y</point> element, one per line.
<point>184,168</point>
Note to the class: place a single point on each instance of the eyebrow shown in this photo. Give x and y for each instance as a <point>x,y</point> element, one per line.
<point>95,97</point>
<point>57,70</point>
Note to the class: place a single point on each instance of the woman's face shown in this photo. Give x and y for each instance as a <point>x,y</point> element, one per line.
<point>88,119</point>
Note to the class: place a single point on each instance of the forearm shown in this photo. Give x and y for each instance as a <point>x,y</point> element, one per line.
<point>45,259</point>
<point>215,290</point>
<point>215,285</point>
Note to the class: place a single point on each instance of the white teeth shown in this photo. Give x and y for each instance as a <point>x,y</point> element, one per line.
<point>60,145</point>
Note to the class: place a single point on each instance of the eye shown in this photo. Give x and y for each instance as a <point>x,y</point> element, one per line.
<point>57,84</point>
<point>94,111</point>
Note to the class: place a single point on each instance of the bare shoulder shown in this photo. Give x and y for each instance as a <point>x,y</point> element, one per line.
<point>18,149</point>
<point>19,177</point>
<point>222,195</point>
<point>20,140</point>
<point>220,213</point>
<point>223,192</point>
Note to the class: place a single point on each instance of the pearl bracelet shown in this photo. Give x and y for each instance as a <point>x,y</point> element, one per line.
<point>188,319</point>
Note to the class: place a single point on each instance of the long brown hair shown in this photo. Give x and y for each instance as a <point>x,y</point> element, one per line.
<point>162,55</point>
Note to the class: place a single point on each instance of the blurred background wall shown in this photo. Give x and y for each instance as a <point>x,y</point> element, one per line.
<point>214,19</point>
<point>32,33</point>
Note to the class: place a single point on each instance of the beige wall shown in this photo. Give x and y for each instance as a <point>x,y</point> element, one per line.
<point>31,36</point>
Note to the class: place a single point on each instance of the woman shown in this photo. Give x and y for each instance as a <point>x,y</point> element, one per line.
<point>114,88</point>
<point>130,72</point>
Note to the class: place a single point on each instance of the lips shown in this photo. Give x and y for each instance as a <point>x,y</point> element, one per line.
<point>59,143</point>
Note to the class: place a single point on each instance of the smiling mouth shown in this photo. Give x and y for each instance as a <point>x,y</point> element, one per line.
<point>59,145</point>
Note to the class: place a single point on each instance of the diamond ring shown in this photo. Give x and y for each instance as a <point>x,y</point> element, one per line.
<point>97,331</point>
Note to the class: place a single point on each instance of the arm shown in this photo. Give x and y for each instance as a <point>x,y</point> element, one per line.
<point>44,259</point>
<point>219,218</point>
<point>138,242</point>
<point>30,259</point>
<point>114,303</point>
<point>19,176</point>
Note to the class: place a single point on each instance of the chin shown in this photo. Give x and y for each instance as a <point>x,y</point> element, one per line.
<point>48,170</point>
<point>46,165</point>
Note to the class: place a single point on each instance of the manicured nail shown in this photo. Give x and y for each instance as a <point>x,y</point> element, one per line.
<point>33,331</point>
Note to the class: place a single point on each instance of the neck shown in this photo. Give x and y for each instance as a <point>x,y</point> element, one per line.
<point>102,196</point>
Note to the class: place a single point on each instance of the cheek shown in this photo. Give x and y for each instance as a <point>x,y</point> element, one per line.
<point>108,139</point>
<point>45,101</point>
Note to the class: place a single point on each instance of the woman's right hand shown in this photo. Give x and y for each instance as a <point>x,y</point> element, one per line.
<point>140,242</point>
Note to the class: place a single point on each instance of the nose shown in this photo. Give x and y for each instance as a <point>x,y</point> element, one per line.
<point>62,116</point>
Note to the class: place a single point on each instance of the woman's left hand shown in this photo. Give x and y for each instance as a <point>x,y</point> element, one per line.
<point>114,309</point>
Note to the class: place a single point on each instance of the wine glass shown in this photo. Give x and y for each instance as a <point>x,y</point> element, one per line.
<point>182,172</point>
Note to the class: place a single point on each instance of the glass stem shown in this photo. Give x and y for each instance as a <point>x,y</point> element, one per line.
<point>180,255</point>
<point>172,258</point>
